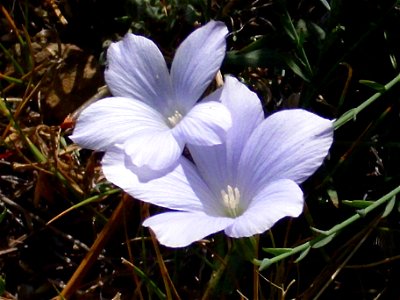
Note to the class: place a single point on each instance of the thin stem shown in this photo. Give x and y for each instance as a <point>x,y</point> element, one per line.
<point>216,276</point>
<point>108,230</point>
<point>256,278</point>
<point>352,113</point>
<point>329,233</point>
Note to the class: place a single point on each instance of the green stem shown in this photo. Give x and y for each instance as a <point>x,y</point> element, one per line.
<point>216,276</point>
<point>352,113</point>
<point>266,262</point>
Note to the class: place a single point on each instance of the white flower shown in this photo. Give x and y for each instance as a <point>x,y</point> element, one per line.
<point>243,186</point>
<point>154,112</point>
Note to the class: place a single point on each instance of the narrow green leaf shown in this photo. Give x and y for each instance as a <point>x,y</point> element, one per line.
<point>151,284</point>
<point>333,195</point>
<point>277,251</point>
<point>288,26</point>
<point>3,214</point>
<point>11,79</point>
<point>84,202</point>
<point>321,34</point>
<point>324,241</point>
<point>255,58</point>
<point>357,203</point>
<point>389,207</point>
<point>2,285</point>
<point>393,61</point>
<point>14,62</point>
<point>302,255</point>
<point>374,85</point>
<point>319,231</point>
<point>302,31</point>
<point>326,4</point>
<point>296,68</point>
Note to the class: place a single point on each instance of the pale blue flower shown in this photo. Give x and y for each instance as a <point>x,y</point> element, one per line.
<point>154,112</point>
<point>243,186</point>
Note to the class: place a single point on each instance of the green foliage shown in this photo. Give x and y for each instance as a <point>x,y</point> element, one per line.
<point>2,285</point>
<point>3,215</point>
<point>143,14</point>
<point>340,60</point>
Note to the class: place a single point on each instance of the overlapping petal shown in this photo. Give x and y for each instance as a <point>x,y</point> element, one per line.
<point>246,112</point>
<point>137,69</point>
<point>180,229</point>
<point>222,161</point>
<point>113,121</point>
<point>289,144</point>
<point>282,198</point>
<point>155,148</point>
<point>180,189</point>
<point>196,62</point>
<point>206,124</point>
<point>244,164</point>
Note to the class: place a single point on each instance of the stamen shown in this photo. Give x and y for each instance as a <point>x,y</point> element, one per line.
<point>231,201</point>
<point>175,118</point>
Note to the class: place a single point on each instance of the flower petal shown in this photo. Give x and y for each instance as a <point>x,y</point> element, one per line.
<point>211,163</point>
<point>137,69</point>
<point>206,124</point>
<point>221,161</point>
<point>173,190</point>
<point>112,121</point>
<point>247,113</point>
<point>289,144</point>
<point>155,148</point>
<point>281,198</point>
<point>196,62</point>
<point>180,229</point>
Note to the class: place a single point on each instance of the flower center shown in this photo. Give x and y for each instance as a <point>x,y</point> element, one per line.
<point>231,200</point>
<point>175,118</point>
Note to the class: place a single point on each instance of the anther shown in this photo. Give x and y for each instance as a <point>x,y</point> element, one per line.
<point>175,118</point>
<point>231,200</point>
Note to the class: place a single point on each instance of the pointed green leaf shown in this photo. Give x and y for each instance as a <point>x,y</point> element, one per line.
<point>324,241</point>
<point>2,285</point>
<point>393,61</point>
<point>3,214</point>
<point>296,68</point>
<point>326,4</point>
<point>389,207</point>
<point>288,26</point>
<point>357,203</point>
<point>321,34</point>
<point>333,195</point>
<point>302,31</point>
<point>374,85</point>
<point>255,58</point>
<point>151,284</point>
<point>303,254</point>
<point>277,251</point>
<point>319,231</point>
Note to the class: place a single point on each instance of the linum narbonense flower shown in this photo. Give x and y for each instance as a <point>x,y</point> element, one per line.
<point>154,112</point>
<point>242,186</point>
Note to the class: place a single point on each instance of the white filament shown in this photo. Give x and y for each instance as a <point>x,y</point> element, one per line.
<point>231,200</point>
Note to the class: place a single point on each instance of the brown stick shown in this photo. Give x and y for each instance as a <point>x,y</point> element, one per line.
<point>113,223</point>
